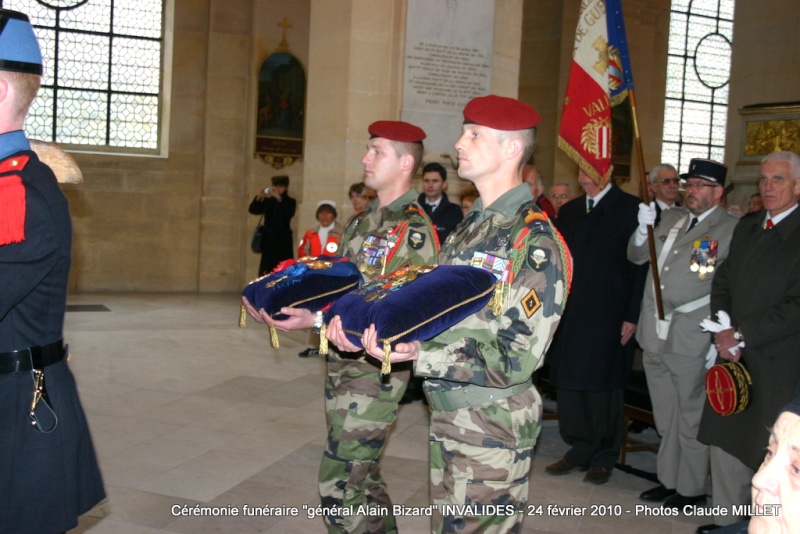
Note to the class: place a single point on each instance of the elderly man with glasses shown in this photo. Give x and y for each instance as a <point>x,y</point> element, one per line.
<point>663,188</point>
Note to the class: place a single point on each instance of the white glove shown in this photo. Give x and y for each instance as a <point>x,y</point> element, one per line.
<point>647,216</point>
<point>713,326</point>
<point>711,356</point>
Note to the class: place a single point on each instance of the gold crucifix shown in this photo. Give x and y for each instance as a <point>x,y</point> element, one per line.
<point>284,25</point>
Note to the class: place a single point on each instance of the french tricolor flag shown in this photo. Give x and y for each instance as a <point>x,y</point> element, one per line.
<point>599,78</point>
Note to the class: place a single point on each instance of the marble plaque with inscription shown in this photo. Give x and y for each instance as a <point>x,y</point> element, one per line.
<point>447,62</point>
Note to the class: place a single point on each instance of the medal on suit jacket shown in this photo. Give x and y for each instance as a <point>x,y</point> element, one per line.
<point>704,256</point>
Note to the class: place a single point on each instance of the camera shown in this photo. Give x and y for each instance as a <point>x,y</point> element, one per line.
<point>267,190</point>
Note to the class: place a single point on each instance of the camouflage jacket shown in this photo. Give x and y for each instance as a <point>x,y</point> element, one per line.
<point>398,235</point>
<point>500,351</point>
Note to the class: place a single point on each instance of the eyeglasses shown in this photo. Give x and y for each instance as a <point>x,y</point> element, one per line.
<point>666,181</point>
<point>696,185</point>
<point>563,196</point>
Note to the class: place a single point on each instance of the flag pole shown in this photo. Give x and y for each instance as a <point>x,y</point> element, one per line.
<point>646,199</point>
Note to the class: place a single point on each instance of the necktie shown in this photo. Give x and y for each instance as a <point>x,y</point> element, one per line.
<point>432,207</point>
<point>769,224</point>
<point>691,224</point>
<point>590,205</point>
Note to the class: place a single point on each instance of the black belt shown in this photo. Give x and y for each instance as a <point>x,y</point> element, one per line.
<point>31,358</point>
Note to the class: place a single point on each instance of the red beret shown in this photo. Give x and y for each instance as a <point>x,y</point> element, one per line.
<point>397,131</point>
<point>501,113</point>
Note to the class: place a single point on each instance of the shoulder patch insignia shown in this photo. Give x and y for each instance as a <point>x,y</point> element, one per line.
<point>416,240</point>
<point>13,164</point>
<point>538,258</point>
<point>531,303</point>
<point>534,216</point>
<point>411,209</point>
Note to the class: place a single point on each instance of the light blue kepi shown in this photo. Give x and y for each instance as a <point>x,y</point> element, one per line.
<point>19,49</point>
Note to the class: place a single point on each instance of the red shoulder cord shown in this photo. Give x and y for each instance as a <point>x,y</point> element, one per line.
<point>12,200</point>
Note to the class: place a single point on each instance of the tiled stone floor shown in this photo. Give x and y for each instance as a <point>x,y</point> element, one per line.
<point>188,409</point>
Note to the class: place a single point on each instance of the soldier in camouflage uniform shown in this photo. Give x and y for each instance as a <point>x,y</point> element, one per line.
<point>485,411</point>
<point>360,405</point>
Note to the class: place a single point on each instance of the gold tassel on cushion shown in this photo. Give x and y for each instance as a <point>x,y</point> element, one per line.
<point>323,341</point>
<point>386,365</point>
<point>273,336</point>
<point>242,317</point>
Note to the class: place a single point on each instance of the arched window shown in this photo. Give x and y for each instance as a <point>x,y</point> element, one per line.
<point>698,71</point>
<point>102,83</point>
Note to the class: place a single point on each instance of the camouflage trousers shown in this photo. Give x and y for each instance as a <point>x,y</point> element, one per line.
<point>360,408</point>
<point>478,489</point>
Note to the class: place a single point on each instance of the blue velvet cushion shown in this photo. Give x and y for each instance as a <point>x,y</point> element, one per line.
<point>414,303</point>
<point>311,283</point>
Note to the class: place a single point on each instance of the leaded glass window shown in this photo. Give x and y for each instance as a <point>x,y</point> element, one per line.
<point>698,72</point>
<point>102,72</point>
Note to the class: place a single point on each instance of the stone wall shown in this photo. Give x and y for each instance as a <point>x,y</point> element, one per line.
<point>180,222</point>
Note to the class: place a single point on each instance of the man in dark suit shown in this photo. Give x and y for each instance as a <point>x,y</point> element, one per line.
<point>759,286</point>
<point>445,217</point>
<point>433,199</point>
<point>592,352</point>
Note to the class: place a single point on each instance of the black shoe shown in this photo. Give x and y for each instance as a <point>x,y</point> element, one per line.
<point>657,494</point>
<point>597,475</point>
<point>308,353</point>
<point>679,501</point>
<point>707,528</point>
<point>562,467</point>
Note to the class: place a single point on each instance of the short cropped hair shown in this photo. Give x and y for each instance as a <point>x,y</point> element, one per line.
<point>528,138</point>
<point>414,149</point>
<point>355,189</point>
<point>435,167</point>
<point>790,157</point>
<point>658,167</point>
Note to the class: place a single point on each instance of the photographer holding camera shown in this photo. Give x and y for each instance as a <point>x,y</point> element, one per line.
<point>278,208</point>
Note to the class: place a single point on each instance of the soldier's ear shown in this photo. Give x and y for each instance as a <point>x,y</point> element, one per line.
<point>513,147</point>
<point>3,89</point>
<point>407,162</point>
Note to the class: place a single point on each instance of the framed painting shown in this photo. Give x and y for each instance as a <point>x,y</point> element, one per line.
<point>280,119</point>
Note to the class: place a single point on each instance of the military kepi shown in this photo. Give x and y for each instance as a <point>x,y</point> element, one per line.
<point>19,49</point>
<point>403,132</point>
<point>501,113</point>
<point>707,169</point>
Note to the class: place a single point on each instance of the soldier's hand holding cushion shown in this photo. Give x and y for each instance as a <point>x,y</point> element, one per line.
<point>403,352</point>
<point>335,334</point>
<point>299,318</point>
